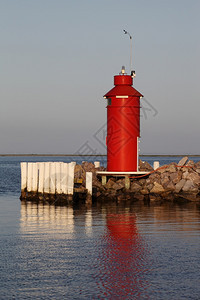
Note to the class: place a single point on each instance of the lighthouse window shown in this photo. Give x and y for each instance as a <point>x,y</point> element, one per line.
<point>109,101</point>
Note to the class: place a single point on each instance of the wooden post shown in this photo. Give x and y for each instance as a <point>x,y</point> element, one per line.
<point>64,177</point>
<point>23,179</point>
<point>97,164</point>
<point>41,178</point>
<point>35,178</point>
<point>127,182</point>
<point>89,187</point>
<point>70,189</point>
<point>58,178</point>
<point>52,178</point>
<point>103,179</point>
<point>89,182</point>
<point>156,165</point>
<point>29,177</point>
<point>46,178</point>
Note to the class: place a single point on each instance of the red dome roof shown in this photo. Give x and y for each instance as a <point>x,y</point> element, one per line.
<point>123,87</point>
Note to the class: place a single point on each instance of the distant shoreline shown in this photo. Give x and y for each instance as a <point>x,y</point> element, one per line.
<point>103,155</point>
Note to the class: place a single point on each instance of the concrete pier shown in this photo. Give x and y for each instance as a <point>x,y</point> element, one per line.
<point>56,180</point>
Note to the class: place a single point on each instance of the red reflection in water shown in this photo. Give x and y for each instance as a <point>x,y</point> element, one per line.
<point>122,226</point>
<point>122,259</point>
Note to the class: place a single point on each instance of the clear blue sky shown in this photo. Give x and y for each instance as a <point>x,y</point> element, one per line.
<point>58,59</point>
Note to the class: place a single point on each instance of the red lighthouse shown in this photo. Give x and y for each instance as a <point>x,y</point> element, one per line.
<point>123,124</point>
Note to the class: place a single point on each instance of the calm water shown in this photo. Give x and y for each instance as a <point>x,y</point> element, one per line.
<point>101,252</point>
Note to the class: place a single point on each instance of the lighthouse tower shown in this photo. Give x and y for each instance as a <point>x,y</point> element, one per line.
<point>123,124</point>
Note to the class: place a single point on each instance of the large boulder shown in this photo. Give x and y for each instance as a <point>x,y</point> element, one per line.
<point>149,186</point>
<point>171,168</point>
<point>110,183</point>
<point>157,188</point>
<point>179,185</point>
<point>176,176</point>
<point>147,181</point>
<point>186,169</point>
<point>144,166</point>
<point>135,187</point>
<point>183,161</point>
<point>118,185</point>
<point>164,174</point>
<point>141,181</point>
<point>155,177</point>
<point>190,187</point>
<point>190,163</point>
<point>79,172</point>
<point>164,181</point>
<point>194,177</point>
<point>88,167</point>
<point>162,170</point>
<point>170,186</point>
<point>144,191</point>
<point>197,165</point>
<point>185,174</point>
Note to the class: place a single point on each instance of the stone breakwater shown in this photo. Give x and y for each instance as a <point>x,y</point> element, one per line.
<point>168,183</point>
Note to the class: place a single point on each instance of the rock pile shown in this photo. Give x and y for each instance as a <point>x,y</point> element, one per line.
<point>80,172</point>
<point>169,182</point>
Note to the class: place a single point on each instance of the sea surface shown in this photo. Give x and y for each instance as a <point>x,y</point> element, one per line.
<point>106,251</point>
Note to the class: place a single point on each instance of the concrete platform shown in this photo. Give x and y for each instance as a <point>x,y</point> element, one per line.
<point>121,173</point>
<point>105,174</point>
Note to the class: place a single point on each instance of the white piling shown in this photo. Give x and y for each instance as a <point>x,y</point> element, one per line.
<point>97,164</point>
<point>89,182</point>
<point>29,177</point>
<point>41,178</point>
<point>46,178</point>
<point>23,176</point>
<point>52,178</point>
<point>70,189</point>
<point>156,165</point>
<point>35,178</point>
<point>73,163</point>
<point>58,178</point>
<point>64,177</point>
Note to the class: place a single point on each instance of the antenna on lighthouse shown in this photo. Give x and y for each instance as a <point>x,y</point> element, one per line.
<point>131,71</point>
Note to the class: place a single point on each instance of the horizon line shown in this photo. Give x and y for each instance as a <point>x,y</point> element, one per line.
<point>93,155</point>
